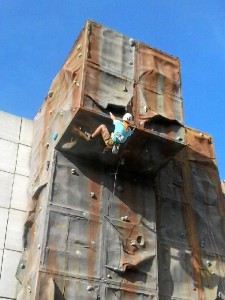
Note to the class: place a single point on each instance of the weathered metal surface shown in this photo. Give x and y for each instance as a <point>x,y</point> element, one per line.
<point>144,224</point>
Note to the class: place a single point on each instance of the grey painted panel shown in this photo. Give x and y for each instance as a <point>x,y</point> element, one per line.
<point>6,181</point>
<point>171,223</point>
<point>8,282</point>
<point>73,245</point>
<point>14,236</point>
<point>73,190</point>
<point>3,223</point>
<point>26,134</point>
<point>23,160</point>
<point>131,196</point>
<point>10,127</point>
<point>20,192</point>
<point>8,155</point>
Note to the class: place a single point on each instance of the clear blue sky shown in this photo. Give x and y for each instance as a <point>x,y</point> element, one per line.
<point>36,37</point>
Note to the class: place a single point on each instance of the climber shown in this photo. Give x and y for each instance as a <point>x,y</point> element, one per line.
<point>119,136</point>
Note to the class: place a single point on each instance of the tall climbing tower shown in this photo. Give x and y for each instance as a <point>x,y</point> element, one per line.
<point>146,223</point>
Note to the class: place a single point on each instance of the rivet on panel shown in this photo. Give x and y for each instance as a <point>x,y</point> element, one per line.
<point>125,218</point>
<point>90,288</point>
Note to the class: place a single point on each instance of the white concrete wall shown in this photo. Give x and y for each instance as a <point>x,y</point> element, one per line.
<point>15,148</point>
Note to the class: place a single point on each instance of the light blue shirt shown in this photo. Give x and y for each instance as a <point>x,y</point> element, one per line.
<point>120,134</point>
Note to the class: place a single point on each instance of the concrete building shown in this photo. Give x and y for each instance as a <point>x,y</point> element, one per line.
<point>146,223</point>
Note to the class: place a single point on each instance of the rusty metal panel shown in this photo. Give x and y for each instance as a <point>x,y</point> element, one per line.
<point>106,90</point>
<point>111,50</point>
<point>201,143</point>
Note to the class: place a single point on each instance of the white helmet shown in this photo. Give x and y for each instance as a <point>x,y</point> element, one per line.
<point>127,117</point>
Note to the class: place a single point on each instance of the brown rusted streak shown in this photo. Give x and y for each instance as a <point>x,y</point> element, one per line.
<point>200,142</point>
<point>191,226</point>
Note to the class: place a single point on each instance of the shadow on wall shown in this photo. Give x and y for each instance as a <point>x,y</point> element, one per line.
<point>190,218</point>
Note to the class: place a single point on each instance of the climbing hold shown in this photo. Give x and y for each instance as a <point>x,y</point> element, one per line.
<point>29,289</point>
<point>125,218</point>
<point>133,243</point>
<point>109,276</point>
<point>179,139</point>
<point>182,234</point>
<point>130,63</point>
<point>132,42</point>
<point>61,113</point>
<point>122,161</point>
<point>125,89</point>
<point>54,136</point>
<point>47,145</point>
<point>80,54</point>
<point>210,140</point>
<point>78,47</point>
<point>202,244</point>
<point>119,188</point>
<point>73,171</point>
<point>140,240</point>
<point>208,263</point>
<point>92,194</point>
<point>39,246</point>
<point>22,266</point>
<point>50,94</point>
<point>47,164</point>
<point>90,288</point>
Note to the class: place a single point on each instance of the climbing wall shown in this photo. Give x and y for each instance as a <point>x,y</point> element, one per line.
<point>135,225</point>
